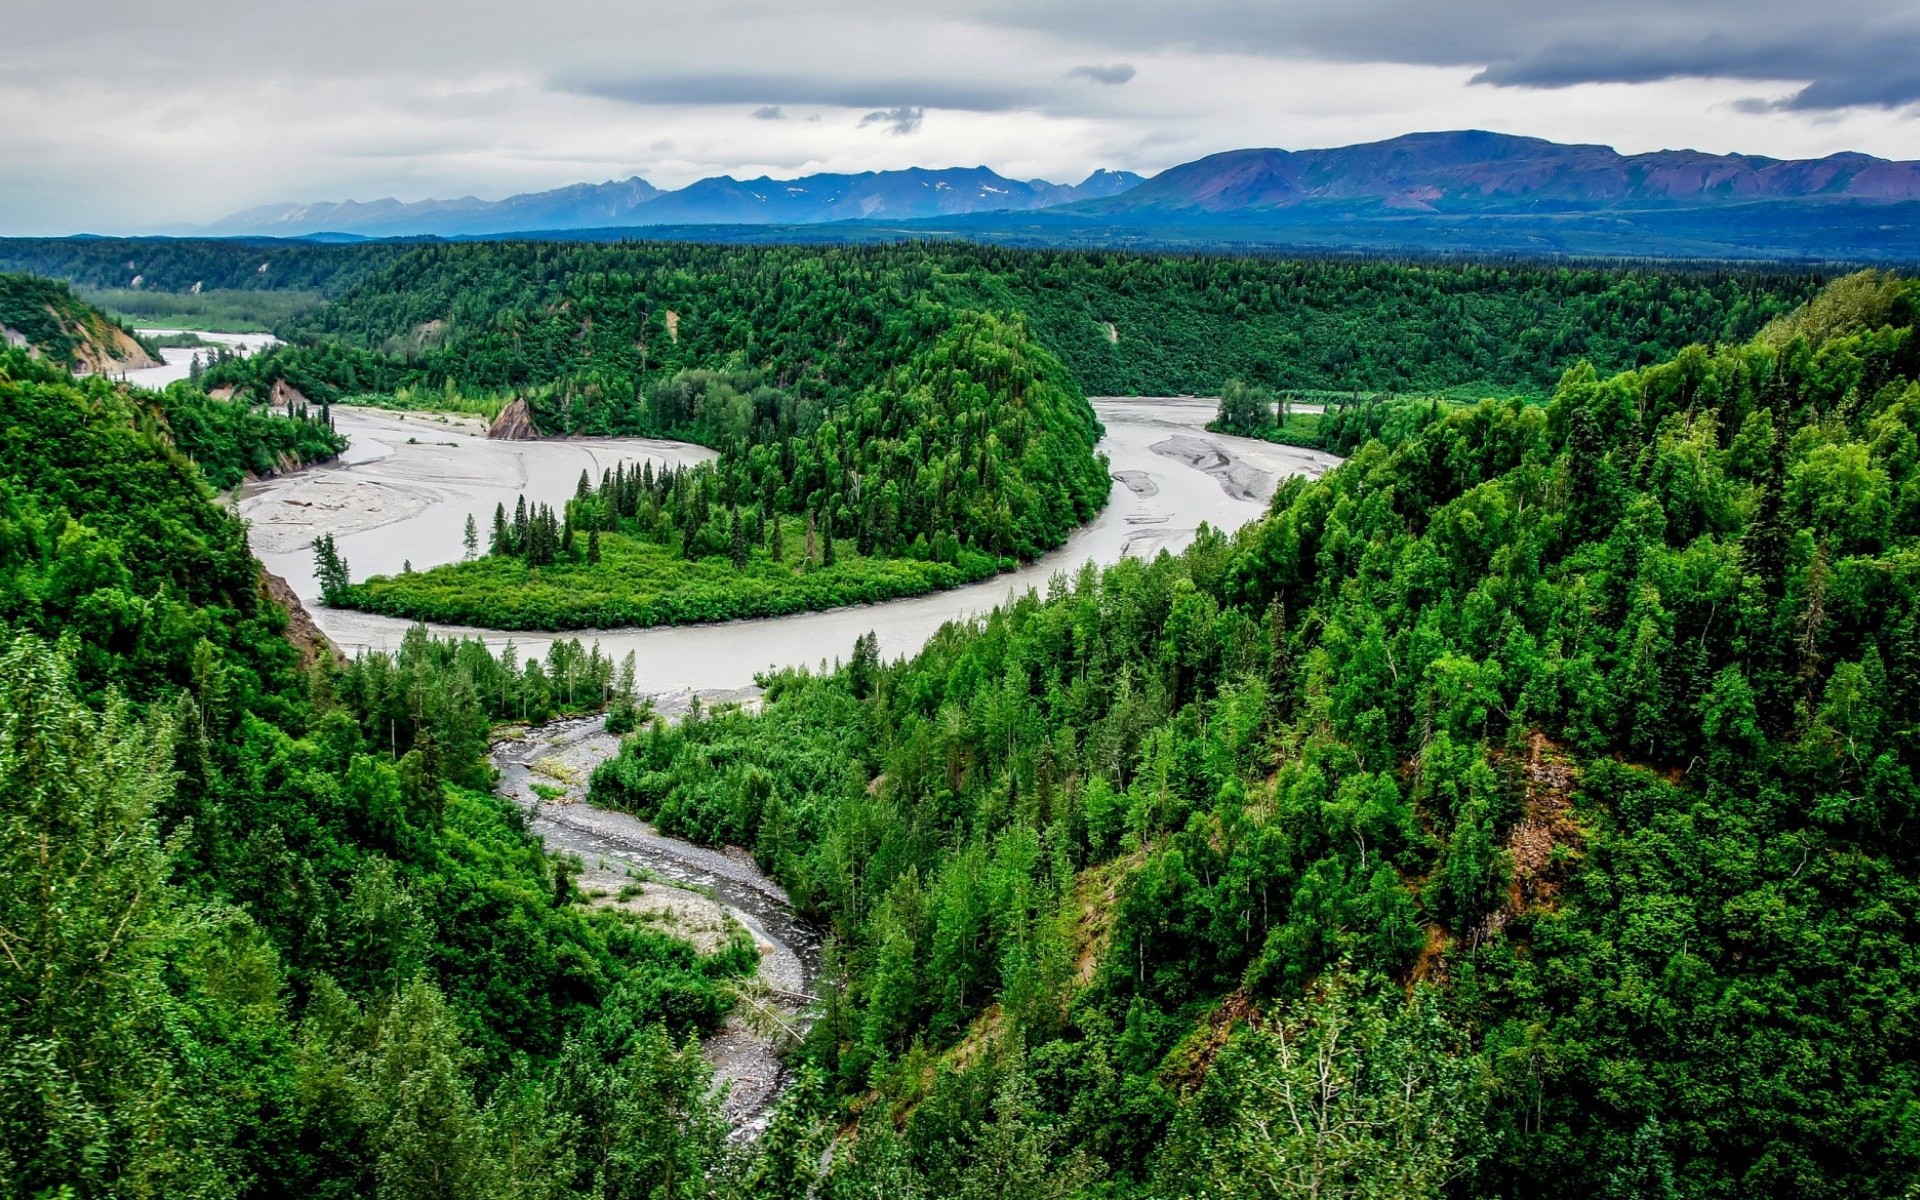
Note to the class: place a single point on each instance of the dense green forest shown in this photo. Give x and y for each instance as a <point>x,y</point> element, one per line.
<point>518,314</point>
<point>521,314</point>
<point>818,373</point>
<point>263,930</point>
<point>1518,810</point>
<point>234,285</point>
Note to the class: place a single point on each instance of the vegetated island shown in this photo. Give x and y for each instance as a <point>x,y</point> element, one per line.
<point>975,453</point>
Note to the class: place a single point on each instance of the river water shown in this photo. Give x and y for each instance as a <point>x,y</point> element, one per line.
<point>178,361</point>
<point>404,491</point>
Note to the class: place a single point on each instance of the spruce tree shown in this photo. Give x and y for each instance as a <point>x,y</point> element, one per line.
<point>502,542</point>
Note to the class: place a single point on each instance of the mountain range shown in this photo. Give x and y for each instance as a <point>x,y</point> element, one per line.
<point>721,200</point>
<point>1475,171</point>
<point>1466,191</point>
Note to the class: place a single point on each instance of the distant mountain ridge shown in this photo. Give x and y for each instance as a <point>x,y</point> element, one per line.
<point>872,195</point>
<point>1459,192</point>
<point>1475,171</point>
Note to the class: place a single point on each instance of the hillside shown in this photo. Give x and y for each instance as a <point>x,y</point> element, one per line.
<point>1518,810</point>
<point>520,315</point>
<point>267,932</point>
<point>44,318</point>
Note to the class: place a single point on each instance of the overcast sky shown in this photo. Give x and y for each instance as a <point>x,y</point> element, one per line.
<point>131,115</point>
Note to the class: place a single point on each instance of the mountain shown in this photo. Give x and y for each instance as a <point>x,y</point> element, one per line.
<point>577,206</point>
<point>1474,171</point>
<point>1459,192</point>
<point>871,195</point>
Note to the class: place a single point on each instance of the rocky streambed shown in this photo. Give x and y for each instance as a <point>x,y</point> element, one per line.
<point>694,892</point>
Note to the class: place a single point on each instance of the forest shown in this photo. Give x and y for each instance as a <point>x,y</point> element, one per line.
<point>264,929</point>
<point>817,373</point>
<point>976,453</point>
<point>1516,810</point>
<point>1538,778</point>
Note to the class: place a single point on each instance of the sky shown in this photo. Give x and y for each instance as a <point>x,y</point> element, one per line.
<point>119,116</point>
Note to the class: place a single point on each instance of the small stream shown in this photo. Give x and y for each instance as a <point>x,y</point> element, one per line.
<point>617,848</point>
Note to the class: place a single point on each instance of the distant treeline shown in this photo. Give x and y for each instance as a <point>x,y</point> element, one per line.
<point>521,313</point>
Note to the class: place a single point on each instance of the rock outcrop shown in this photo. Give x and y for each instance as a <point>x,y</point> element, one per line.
<point>515,423</point>
<point>286,396</point>
<point>301,630</point>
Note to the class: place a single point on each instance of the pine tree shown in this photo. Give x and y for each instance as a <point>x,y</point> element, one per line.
<point>502,542</point>
<point>776,545</point>
<point>593,545</point>
<point>330,570</point>
<point>826,540</point>
<point>471,540</point>
<point>739,539</point>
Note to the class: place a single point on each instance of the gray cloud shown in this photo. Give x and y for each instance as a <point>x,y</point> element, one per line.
<point>1847,53</point>
<point>902,119</point>
<point>838,90</point>
<point>1878,70</point>
<point>1112,76</point>
<point>111,124</point>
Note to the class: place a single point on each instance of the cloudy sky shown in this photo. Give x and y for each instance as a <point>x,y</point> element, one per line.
<point>131,115</point>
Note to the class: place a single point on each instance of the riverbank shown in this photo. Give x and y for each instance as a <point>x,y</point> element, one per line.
<point>405,487</point>
<point>690,891</point>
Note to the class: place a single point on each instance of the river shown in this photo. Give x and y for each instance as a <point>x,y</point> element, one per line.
<point>404,491</point>
<point>402,494</point>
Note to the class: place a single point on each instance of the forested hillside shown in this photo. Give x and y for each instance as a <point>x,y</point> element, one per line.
<point>1519,810</point>
<point>46,319</point>
<point>804,366</point>
<point>510,314</point>
<point>263,931</point>
<point>974,454</point>
<point>513,314</point>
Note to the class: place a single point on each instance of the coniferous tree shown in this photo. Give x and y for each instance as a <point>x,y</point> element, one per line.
<point>502,540</point>
<point>330,570</point>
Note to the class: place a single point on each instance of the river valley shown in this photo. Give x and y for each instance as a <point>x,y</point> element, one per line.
<point>402,494</point>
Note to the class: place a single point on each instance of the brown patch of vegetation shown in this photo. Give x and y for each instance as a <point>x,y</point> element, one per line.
<point>1546,824</point>
<point>1096,899</point>
<point>1188,1064</point>
<point>1431,965</point>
